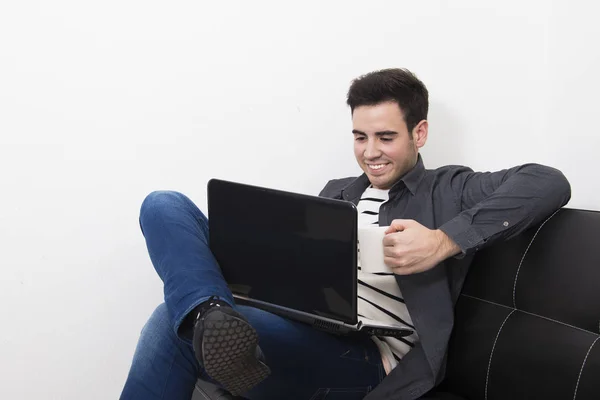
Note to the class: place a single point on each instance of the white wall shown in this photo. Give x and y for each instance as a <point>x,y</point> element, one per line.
<point>102,102</point>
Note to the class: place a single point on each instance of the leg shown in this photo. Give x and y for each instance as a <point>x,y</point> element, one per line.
<point>163,367</point>
<point>176,234</point>
<point>307,364</point>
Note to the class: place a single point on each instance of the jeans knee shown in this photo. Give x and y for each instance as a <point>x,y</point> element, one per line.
<point>166,205</point>
<point>158,323</point>
<point>160,201</point>
<point>161,198</point>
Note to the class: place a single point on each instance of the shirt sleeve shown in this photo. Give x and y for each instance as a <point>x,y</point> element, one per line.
<point>500,205</point>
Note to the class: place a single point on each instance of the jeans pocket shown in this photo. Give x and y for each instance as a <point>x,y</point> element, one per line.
<point>357,393</point>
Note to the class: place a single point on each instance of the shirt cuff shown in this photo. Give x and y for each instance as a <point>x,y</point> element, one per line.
<point>460,230</point>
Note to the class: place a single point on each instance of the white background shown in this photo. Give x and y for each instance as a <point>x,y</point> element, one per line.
<point>102,102</point>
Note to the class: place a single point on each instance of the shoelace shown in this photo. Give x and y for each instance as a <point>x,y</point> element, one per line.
<point>211,302</point>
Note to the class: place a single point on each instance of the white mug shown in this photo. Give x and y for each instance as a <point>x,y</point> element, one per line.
<point>370,249</point>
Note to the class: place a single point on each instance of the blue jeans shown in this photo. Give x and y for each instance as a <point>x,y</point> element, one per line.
<point>306,364</point>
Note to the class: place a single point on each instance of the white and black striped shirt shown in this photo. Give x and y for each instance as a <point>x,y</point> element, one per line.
<point>379,297</point>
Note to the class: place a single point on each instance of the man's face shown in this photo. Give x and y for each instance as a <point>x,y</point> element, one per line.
<point>383,145</point>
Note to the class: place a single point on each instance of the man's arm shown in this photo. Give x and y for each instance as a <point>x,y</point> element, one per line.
<point>494,206</point>
<point>500,205</point>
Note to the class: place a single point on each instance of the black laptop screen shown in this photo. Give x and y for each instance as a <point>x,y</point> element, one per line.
<point>287,249</point>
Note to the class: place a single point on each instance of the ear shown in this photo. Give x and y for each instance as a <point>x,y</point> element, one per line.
<point>419,133</point>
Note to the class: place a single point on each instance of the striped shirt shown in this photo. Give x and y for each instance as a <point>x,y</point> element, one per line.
<point>379,297</point>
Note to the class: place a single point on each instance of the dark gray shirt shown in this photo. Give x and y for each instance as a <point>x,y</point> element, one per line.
<point>474,209</point>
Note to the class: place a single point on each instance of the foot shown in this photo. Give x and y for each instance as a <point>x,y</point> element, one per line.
<point>227,347</point>
<point>209,391</point>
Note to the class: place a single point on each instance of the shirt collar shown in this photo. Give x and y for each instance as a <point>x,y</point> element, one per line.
<point>410,180</point>
<point>413,177</point>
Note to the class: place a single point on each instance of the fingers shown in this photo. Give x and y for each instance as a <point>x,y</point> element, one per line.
<point>393,252</point>
<point>395,262</point>
<point>397,238</point>
<point>400,267</point>
<point>405,247</point>
<point>399,225</point>
<point>390,229</point>
<point>388,241</point>
<point>390,261</point>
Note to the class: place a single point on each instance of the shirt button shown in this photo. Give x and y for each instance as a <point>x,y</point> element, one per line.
<point>505,223</point>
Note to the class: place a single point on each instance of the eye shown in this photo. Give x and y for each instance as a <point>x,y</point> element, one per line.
<point>386,139</point>
<point>359,138</point>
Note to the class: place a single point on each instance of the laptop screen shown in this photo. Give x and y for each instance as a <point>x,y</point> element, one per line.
<point>287,249</point>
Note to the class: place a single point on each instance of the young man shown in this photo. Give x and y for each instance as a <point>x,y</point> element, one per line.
<point>437,219</point>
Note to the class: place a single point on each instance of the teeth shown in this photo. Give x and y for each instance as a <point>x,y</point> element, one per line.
<point>376,166</point>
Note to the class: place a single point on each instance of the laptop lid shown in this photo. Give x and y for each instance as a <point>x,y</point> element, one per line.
<point>287,249</point>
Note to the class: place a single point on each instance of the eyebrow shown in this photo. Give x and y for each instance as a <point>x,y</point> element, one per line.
<point>380,133</point>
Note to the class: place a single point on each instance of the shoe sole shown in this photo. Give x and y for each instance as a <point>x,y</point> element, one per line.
<point>229,353</point>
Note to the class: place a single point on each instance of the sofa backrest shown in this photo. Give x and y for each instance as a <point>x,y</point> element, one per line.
<point>528,319</point>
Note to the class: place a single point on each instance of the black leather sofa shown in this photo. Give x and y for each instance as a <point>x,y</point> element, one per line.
<point>528,319</point>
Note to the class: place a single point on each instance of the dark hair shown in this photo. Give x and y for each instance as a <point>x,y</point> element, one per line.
<point>393,84</point>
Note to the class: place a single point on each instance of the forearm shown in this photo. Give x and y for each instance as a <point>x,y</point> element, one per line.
<point>523,199</point>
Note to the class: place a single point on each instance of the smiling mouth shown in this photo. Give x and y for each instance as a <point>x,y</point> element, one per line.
<point>376,167</point>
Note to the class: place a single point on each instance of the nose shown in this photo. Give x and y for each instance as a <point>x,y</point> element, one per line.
<point>372,150</point>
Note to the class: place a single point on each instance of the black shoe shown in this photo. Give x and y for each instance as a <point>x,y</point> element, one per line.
<point>227,347</point>
<point>209,391</point>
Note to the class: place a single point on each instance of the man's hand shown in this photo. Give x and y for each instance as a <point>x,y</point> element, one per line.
<point>410,248</point>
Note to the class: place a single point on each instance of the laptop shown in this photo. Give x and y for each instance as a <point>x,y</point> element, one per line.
<point>291,254</point>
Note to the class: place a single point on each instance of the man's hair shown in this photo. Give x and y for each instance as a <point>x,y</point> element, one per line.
<point>394,84</point>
